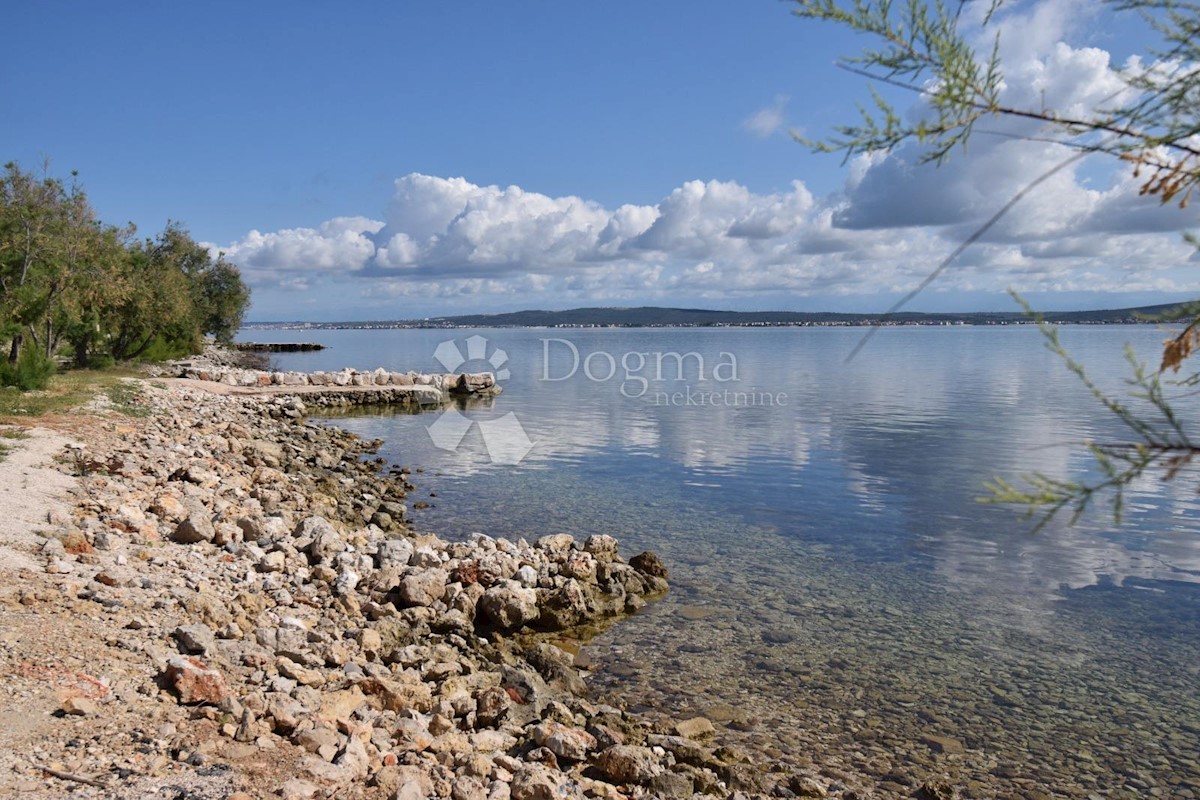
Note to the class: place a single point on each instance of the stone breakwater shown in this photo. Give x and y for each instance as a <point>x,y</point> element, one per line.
<point>299,638</point>
<point>347,387</point>
<point>458,383</point>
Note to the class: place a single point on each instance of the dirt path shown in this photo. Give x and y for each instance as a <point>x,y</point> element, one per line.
<point>31,489</point>
<point>55,649</point>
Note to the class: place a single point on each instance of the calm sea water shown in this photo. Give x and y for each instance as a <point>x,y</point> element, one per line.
<point>838,594</point>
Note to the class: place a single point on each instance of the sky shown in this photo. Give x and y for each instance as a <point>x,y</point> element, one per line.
<point>402,160</point>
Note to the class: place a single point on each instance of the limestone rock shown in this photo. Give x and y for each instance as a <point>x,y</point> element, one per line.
<point>649,564</point>
<point>509,606</point>
<point>194,682</point>
<point>423,587</point>
<point>627,763</point>
<point>695,728</point>
<point>564,741</point>
<point>196,527</point>
<point>195,639</point>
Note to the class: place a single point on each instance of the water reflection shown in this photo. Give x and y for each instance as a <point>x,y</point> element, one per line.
<point>884,456</point>
<point>855,597</point>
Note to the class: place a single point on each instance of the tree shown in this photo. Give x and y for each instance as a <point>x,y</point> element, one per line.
<point>66,276</point>
<point>28,211</point>
<point>1153,124</point>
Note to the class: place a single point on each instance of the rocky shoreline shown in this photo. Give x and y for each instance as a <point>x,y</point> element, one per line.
<point>297,637</point>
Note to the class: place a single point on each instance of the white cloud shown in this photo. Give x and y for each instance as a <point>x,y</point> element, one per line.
<point>1085,229</point>
<point>767,121</point>
<point>340,244</point>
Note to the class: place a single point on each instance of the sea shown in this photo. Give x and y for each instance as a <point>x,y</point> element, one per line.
<point>843,598</point>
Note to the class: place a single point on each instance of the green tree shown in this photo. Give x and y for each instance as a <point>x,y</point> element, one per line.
<point>1153,124</point>
<point>219,296</point>
<point>67,277</point>
<point>223,300</point>
<point>29,214</point>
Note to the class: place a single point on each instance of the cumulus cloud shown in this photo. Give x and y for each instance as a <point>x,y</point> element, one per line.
<point>767,121</point>
<point>890,223</point>
<point>343,243</point>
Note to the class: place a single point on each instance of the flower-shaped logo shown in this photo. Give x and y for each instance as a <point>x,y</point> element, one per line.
<point>504,439</point>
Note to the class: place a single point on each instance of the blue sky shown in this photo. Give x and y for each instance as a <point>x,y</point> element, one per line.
<point>381,160</point>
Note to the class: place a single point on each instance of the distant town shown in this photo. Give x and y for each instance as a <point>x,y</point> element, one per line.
<point>653,317</point>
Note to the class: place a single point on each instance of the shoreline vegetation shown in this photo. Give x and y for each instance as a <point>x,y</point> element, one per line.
<point>77,291</point>
<point>241,606</point>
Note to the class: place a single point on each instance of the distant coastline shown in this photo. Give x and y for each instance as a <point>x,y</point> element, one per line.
<point>654,317</point>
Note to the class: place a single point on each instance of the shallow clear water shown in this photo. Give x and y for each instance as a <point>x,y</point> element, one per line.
<point>837,590</point>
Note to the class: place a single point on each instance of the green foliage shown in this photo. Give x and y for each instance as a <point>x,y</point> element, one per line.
<point>1161,440</point>
<point>32,370</point>
<point>68,279</point>
<point>1152,125</point>
<point>161,348</point>
<point>923,50</point>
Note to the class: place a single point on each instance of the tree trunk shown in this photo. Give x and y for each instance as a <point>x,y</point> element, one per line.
<point>14,351</point>
<point>81,353</point>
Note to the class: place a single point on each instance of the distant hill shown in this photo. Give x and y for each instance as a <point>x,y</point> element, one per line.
<point>651,316</point>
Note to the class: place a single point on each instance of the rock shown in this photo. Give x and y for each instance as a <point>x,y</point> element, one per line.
<point>354,758</point>
<point>274,561</point>
<point>194,682</point>
<point>168,508</point>
<point>196,527</point>
<point>685,751</point>
<point>285,711</point>
<point>649,564</point>
<point>672,785</point>
<point>296,789</point>
<point>526,576</point>
<point>565,608</point>
<point>313,527</point>
<point>580,565</point>
<point>423,588</point>
<point>78,707</point>
<point>602,546</point>
<point>412,783</point>
<point>398,695</point>
<point>195,639</point>
<point>804,786</point>
<point>347,581</point>
<point>301,675</point>
<point>943,744</point>
<point>936,790</point>
<point>695,728</point>
<point>509,606</point>
<point>261,453</point>
<point>564,741</point>
<point>314,740</point>
<point>326,545</point>
<point>537,782</point>
<point>626,763</point>
<point>394,553</point>
<point>746,778</point>
<point>370,643</point>
<point>467,787</point>
<point>412,734</point>
<point>491,706</point>
<point>107,578</point>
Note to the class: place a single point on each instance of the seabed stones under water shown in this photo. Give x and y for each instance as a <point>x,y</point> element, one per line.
<point>867,667</point>
<point>876,669</point>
